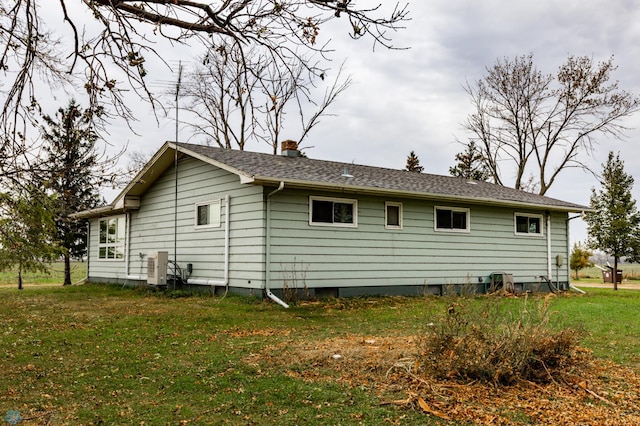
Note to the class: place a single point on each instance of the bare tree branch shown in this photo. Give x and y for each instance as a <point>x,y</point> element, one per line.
<point>107,55</point>
<point>542,124</point>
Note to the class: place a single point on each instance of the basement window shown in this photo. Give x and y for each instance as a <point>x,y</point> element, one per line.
<point>528,224</point>
<point>333,212</point>
<point>452,219</point>
<point>208,214</point>
<point>393,215</point>
<point>112,238</point>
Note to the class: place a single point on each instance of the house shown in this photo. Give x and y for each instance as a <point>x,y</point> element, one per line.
<point>260,224</point>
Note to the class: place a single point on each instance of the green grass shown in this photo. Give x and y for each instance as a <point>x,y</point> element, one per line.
<point>55,275</point>
<point>630,272</point>
<point>610,322</point>
<point>101,354</point>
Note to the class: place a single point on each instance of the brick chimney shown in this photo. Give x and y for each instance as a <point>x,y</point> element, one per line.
<point>289,148</point>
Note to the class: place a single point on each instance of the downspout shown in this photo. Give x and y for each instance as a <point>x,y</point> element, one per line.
<point>549,270</point>
<point>127,245</point>
<point>227,241</point>
<point>227,238</point>
<point>571,286</point>
<point>268,250</point>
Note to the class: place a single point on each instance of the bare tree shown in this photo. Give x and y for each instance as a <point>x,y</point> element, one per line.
<point>105,52</point>
<point>219,94</point>
<point>122,36</point>
<point>237,97</point>
<point>281,89</point>
<point>539,124</point>
<point>137,161</point>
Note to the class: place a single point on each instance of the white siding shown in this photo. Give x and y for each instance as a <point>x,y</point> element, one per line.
<point>371,255</point>
<point>152,227</point>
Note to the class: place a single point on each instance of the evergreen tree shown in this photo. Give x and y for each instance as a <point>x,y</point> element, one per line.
<point>580,258</point>
<point>470,164</point>
<point>614,223</point>
<point>27,231</point>
<point>413,163</point>
<point>77,171</point>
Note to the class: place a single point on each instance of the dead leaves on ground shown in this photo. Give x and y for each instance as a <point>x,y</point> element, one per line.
<point>599,393</point>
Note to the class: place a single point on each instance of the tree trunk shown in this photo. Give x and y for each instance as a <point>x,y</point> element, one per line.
<point>19,279</point>
<point>67,269</point>
<point>615,272</point>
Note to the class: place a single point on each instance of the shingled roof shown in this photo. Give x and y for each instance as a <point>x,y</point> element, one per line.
<point>301,172</point>
<point>330,176</point>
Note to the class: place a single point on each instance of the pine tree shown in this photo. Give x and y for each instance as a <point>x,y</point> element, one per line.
<point>27,230</point>
<point>470,164</point>
<point>77,171</point>
<point>413,163</point>
<point>614,223</point>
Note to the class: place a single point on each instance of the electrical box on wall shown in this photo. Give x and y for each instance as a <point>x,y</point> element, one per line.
<point>559,260</point>
<point>157,262</point>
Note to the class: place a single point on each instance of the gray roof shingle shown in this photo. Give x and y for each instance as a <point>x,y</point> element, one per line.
<point>330,175</point>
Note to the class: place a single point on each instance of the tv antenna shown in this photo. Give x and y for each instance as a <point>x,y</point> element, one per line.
<point>175,172</point>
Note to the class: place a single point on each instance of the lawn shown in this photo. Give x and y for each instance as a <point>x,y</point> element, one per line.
<point>102,354</point>
<point>55,276</point>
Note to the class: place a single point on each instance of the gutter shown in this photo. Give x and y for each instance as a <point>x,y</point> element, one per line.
<point>356,189</point>
<point>267,289</point>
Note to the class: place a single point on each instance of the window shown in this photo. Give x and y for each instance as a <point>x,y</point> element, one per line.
<point>333,212</point>
<point>112,238</point>
<point>393,215</point>
<point>451,219</point>
<point>528,224</point>
<point>208,214</point>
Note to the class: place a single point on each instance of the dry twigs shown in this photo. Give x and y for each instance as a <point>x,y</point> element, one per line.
<point>603,393</point>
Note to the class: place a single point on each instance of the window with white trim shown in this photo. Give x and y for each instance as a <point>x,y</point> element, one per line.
<point>112,238</point>
<point>207,215</point>
<point>528,224</point>
<point>392,215</point>
<point>325,211</point>
<point>452,219</point>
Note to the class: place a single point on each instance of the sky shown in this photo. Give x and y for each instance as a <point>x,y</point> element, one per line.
<point>414,98</point>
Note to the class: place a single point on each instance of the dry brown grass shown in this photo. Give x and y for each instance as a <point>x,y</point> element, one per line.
<point>553,381</point>
<point>595,392</point>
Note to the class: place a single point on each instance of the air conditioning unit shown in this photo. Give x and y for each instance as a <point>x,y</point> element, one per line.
<point>157,267</point>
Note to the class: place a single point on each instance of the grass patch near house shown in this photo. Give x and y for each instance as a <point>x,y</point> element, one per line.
<point>54,277</point>
<point>101,354</point>
<point>610,322</point>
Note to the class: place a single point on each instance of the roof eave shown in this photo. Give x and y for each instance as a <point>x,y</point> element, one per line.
<point>302,184</point>
<point>98,212</point>
<point>244,177</point>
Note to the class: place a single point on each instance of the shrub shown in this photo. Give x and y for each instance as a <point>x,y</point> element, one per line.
<point>488,342</point>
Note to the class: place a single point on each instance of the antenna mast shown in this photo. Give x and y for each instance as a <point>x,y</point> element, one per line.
<point>175,172</point>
